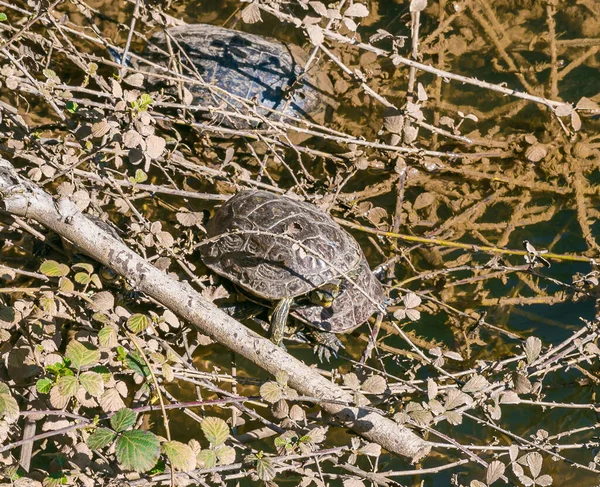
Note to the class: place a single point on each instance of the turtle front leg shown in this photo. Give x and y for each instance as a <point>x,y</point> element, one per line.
<point>279,319</point>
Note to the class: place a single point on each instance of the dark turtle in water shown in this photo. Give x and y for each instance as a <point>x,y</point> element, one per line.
<point>283,250</point>
<point>236,64</point>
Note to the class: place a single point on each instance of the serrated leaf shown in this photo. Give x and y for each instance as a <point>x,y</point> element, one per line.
<point>100,438</point>
<point>411,300</point>
<point>92,383</point>
<point>432,389</point>
<point>271,392</point>
<point>319,8</point>
<point>9,408</point>
<point>107,337</point>
<point>111,401</point>
<point>82,278</point>
<point>66,285</point>
<point>225,455</point>
<point>422,201</point>
<point>509,397</point>
<point>356,10</point>
<point>522,384</point>
<point>353,482</point>
<point>371,450</point>
<point>215,430</point>
<point>136,79</point>
<point>51,268</point>
<point>453,417</point>
<point>43,386</point>
<point>421,417</point>
<point>123,419</point>
<point>138,450</point>
<point>251,13</point>
<point>67,385</point>
<point>57,399</point>
<point>534,462</point>
<point>544,480</point>
<point>533,347</point>
<point>316,34</point>
<point>100,129</point>
<point>453,355</point>
<point>475,384</point>
<point>413,314</point>
<point>456,398</point>
<point>265,469</point>
<point>155,146</point>
<point>282,377</point>
<point>181,456</point>
<point>89,268</point>
<point>375,384</point>
<point>351,381</point>
<point>206,459</point>
<point>138,322</point>
<point>168,372</point>
<point>418,5</point>
<point>80,355</point>
<point>563,110</point>
<point>136,363</point>
<point>495,470</point>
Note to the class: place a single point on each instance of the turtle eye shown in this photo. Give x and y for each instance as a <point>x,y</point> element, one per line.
<point>108,275</point>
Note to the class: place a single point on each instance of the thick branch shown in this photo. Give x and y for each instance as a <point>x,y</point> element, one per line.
<point>20,197</point>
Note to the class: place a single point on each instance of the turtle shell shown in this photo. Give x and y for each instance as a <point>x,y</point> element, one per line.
<point>244,65</point>
<point>276,247</point>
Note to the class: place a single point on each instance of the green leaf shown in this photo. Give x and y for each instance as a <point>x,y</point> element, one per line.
<point>92,383</point>
<point>206,459</point>
<point>4,389</point>
<point>80,355</point>
<point>135,362</point>
<point>82,278</point>
<point>123,419</point>
<point>265,469</point>
<point>67,385</point>
<point>181,456</point>
<point>138,322</point>
<point>140,176</point>
<point>215,430</point>
<point>51,268</point>
<point>43,386</point>
<point>121,354</point>
<point>72,107</point>
<point>56,479</point>
<point>107,337</point>
<point>138,450</point>
<point>100,438</point>
<point>3,17</point>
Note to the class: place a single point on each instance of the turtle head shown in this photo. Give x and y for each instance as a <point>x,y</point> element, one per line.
<point>325,295</point>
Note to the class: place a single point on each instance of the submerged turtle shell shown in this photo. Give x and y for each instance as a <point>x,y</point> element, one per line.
<point>245,65</point>
<point>276,247</point>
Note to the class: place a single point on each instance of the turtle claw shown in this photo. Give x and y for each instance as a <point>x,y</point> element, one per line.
<point>327,345</point>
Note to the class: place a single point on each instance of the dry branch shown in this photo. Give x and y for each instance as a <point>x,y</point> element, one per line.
<point>22,198</point>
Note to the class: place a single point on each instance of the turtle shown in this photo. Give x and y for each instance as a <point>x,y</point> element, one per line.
<point>285,251</point>
<point>244,65</point>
